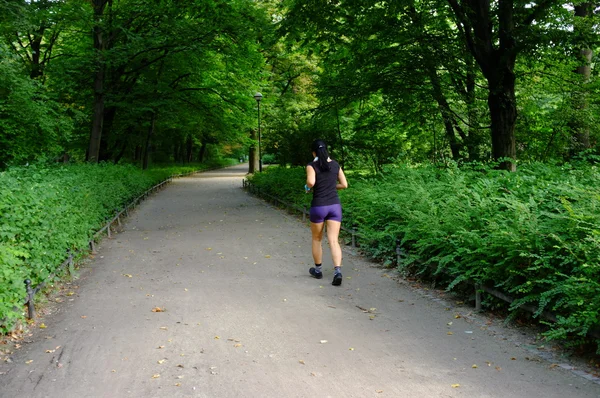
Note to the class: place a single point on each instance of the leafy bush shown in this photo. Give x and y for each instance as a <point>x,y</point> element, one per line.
<point>534,234</point>
<point>47,210</point>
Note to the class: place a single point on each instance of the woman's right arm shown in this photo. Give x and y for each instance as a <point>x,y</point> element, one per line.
<point>311,177</point>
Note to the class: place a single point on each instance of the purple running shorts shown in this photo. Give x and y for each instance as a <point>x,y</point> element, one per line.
<point>319,214</point>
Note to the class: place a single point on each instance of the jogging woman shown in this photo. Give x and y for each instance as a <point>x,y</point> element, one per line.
<point>325,177</point>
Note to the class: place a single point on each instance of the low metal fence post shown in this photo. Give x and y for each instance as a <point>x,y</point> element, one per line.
<point>30,304</point>
<point>354,235</point>
<point>477,297</point>
<point>71,263</point>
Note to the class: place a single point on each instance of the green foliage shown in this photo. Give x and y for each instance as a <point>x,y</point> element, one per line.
<point>47,210</point>
<point>284,183</point>
<point>32,125</point>
<point>533,234</point>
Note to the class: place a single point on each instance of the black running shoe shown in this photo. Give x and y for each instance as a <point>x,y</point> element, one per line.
<point>337,279</point>
<point>317,274</point>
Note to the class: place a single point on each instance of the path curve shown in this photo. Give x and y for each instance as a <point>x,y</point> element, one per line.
<point>242,318</point>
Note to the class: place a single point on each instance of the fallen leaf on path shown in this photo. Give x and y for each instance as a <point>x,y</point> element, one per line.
<point>83,316</point>
<point>267,256</point>
<point>43,326</point>
<point>474,366</point>
<point>163,328</point>
<point>217,337</point>
<point>457,316</point>
<point>371,317</point>
<point>160,347</point>
<point>302,362</point>
<point>177,384</point>
<point>70,293</point>
<point>50,351</point>
<point>128,275</point>
<point>208,248</point>
<point>28,362</point>
<point>378,391</point>
<point>450,333</point>
<point>323,341</point>
<point>180,366</point>
<point>161,361</point>
<point>156,376</point>
<point>158,309</point>
<point>237,345</point>
<point>455,385</point>
<point>350,349</point>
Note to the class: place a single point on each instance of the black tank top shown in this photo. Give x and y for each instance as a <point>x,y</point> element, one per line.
<point>324,190</point>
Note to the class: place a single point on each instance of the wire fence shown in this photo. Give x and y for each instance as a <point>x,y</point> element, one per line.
<point>354,235</point>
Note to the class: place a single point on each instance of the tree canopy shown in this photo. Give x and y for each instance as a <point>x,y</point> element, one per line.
<point>436,80</point>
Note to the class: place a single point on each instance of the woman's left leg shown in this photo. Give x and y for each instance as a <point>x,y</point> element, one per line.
<point>333,234</point>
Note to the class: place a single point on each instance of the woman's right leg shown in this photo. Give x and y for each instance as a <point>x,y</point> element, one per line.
<point>317,238</point>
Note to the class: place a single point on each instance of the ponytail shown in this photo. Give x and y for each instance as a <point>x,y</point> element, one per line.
<point>319,147</point>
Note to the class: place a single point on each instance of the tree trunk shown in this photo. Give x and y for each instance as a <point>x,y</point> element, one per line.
<point>107,122</point>
<point>148,141</point>
<point>503,112</point>
<point>253,154</point>
<point>581,129</point>
<point>202,152</point>
<point>121,152</point>
<point>189,146</point>
<point>98,116</point>
<point>36,47</point>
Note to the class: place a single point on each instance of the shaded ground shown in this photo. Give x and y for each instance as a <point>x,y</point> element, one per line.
<point>242,318</point>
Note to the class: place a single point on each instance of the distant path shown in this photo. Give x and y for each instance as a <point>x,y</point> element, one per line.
<point>244,319</point>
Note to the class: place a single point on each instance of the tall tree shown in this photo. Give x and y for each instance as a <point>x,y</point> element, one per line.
<point>100,45</point>
<point>495,34</point>
<point>583,32</point>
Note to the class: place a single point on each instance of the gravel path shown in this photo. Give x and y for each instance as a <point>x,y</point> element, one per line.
<point>206,293</point>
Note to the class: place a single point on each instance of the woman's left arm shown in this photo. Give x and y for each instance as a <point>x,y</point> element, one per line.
<point>342,182</point>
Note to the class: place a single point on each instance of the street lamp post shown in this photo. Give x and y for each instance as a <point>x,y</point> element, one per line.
<point>258,97</point>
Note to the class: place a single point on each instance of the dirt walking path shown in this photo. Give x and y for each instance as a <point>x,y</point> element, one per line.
<point>242,318</point>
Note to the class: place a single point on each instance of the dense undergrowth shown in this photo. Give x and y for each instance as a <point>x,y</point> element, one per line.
<point>47,210</point>
<point>533,234</point>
